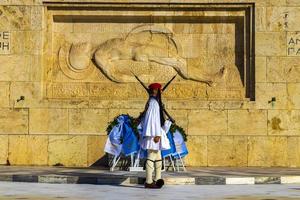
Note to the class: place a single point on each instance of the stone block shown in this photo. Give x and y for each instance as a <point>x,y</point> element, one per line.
<point>221,45</point>
<point>24,2</point>
<point>18,17</point>
<point>37,150</point>
<point>293,151</point>
<point>33,42</point>
<point>132,112</point>
<point>5,2</point>
<point>15,68</point>
<point>36,68</point>
<point>290,179</point>
<point>191,104</point>
<point>4,94</point>
<point>13,121</point>
<point>283,69</point>
<point>32,91</point>
<point>37,19</point>
<point>68,150</point>
<point>284,122</point>
<point>95,150</point>
<point>247,122</point>
<point>269,3</point>
<point>28,150</point>
<point>260,69</point>
<point>3,149</point>
<point>293,91</point>
<point>48,121</point>
<point>283,18</point>
<point>197,147</point>
<point>240,180</point>
<point>88,121</point>
<point>270,44</point>
<point>207,122</point>
<point>267,151</point>
<point>193,45</point>
<point>292,3</point>
<point>180,117</point>
<point>118,104</point>
<point>266,91</point>
<point>260,19</point>
<point>227,151</point>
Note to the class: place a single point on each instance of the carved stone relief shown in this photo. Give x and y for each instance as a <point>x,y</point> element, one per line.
<point>143,45</point>
<point>96,56</point>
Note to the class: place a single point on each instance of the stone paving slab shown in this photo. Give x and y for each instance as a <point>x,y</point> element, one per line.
<point>193,176</point>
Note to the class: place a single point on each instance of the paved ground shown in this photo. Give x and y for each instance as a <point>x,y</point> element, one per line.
<point>193,176</point>
<point>37,191</point>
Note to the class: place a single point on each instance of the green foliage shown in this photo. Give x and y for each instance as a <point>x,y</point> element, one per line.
<point>175,127</point>
<point>112,124</point>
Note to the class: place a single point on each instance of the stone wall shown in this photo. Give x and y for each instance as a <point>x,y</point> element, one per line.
<point>63,115</point>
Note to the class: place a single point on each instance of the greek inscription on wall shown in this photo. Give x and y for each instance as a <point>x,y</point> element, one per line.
<point>5,44</point>
<point>293,44</point>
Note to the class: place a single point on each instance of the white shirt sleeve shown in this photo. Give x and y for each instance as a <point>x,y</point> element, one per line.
<point>151,123</point>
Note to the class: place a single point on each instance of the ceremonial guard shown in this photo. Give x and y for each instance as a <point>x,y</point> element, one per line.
<point>154,137</point>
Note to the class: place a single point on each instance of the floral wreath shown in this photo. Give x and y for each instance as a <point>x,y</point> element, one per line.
<point>134,124</point>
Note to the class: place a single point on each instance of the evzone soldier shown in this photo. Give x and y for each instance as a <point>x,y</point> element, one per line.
<point>154,137</point>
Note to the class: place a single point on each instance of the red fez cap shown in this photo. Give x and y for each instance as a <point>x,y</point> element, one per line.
<point>154,86</point>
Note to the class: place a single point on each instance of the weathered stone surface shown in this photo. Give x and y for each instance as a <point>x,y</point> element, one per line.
<point>17,68</point>
<point>183,104</point>
<point>32,91</point>
<point>37,18</point>
<point>13,121</point>
<point>293,151</point>
<point>227,150</point>
<point>68,150</point>
<point>25,2</point>
<point>180,117</point>
<point>266,91</point>
<point>197,147</point>
<point>119,104</point>
<point>293,91</point>
<point>3,149</point>
<point>283,122</point>
<point>245,122</point>
<point>37,150</point>
<point>48,121</point>
<point>5,2</point>
<point>292,3</point>
<point>16,17</point>
<point>28,150</point>
<point>4,94</point>
<point>29,42</point>
<point>284,69</point>
<point>95,150</point>
<point>57,103</point>
<point>267,151</point>
<point>270,44</point>
<point>283,18</point>
<point>261,69</point>
<point>269,2</point>
<point>207,122</point>
<point>88,121</point>
<point>260,18</point>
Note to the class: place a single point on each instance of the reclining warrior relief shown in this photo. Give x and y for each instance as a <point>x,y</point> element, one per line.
<point>144,44</point>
